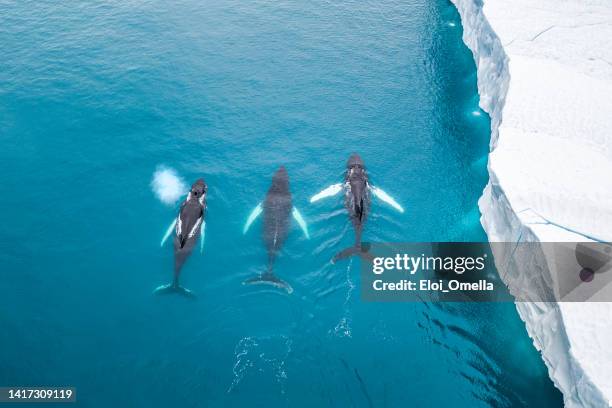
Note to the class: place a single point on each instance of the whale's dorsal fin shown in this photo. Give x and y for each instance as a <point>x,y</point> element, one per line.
<point>254,214</point>
<point>300,220</point>
<point>386,198</point>
<point>168,233</point>
<point>327,192</point>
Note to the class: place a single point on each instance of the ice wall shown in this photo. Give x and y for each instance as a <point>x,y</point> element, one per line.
<point>545,78</point>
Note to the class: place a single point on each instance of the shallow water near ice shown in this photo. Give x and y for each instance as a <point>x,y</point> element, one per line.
<point>96,97</point>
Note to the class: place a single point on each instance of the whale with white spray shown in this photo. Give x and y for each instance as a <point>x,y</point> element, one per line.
<point>189,225</point>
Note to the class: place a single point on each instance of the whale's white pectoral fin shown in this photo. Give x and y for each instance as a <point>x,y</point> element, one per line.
<point>328,192</point>
<point>386,198</point>
<point>254,214</point>
<point>300,220</point>
<point>168,233</point>
<point>202,235</point>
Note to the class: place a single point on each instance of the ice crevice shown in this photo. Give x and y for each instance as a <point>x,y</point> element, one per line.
<point>545,79</point>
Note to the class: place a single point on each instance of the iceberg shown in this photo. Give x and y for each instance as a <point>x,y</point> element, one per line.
<point>545,78</point>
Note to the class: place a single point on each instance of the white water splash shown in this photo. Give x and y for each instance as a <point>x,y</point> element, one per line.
<point>167,185</point>
<point>265,354</point>
<point>343,328</point>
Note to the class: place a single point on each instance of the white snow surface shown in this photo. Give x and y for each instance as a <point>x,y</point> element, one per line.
<point>545,78</point>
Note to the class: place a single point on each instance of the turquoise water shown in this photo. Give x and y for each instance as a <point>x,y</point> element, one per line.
<point>95,96</point>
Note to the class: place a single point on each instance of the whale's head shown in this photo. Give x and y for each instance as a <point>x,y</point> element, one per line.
<point>199,188</point>
<point>355,166</point>
<point>280,180</point>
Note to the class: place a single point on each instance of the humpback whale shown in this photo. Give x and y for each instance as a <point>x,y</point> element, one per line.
<point>357,198</point>
<point>188,226</point>
<point>277,209</point>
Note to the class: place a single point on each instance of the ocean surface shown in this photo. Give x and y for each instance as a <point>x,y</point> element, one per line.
<point>96,97</point>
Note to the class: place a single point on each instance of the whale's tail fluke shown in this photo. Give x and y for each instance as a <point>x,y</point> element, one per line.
<point>173,288</point>
<point>360,249</point>
<point>269,278</point>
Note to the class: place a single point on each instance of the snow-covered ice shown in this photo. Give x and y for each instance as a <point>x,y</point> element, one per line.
<point>545,78</point>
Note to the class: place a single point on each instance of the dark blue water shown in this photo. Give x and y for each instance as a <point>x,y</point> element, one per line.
<point>94,96</point>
